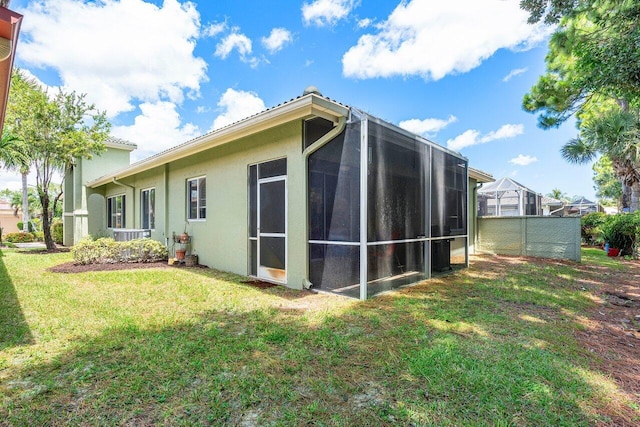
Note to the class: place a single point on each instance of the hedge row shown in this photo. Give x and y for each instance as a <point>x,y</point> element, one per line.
<point>107,251</point>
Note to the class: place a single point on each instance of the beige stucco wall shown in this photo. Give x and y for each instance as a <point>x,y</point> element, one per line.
<point>221,240</point>
<point>547,237</point>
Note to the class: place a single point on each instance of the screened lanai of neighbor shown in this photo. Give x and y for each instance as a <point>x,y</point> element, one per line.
<point>385,208</point>
<point>506,197</point>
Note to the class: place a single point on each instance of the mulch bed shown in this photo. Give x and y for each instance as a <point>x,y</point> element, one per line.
<point>71,267</point>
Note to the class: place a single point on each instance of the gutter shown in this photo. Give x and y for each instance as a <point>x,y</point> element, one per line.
<point>337,130</point>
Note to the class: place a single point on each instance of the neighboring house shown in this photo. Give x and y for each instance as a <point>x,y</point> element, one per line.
<point>581,206</point>
<point>8,218</point>
<point>506,197</point>
<point>551,206</point>
<point>308,193</point>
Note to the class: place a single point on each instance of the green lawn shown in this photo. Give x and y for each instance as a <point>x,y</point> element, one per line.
<point>492,345</point>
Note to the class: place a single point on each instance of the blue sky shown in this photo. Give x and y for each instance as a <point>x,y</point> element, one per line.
<point>167,71</point>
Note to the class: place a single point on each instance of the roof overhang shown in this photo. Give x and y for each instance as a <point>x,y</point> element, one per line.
<point>480,176</point>
<point>299,108</point>
<point>9,30</point>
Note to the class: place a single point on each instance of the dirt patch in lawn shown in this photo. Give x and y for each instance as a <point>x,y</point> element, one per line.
<point>611,329</point>
<point>71,267</point>
<point>613,332</point>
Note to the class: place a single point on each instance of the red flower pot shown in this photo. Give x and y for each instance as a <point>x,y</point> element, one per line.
<point>613,252</point>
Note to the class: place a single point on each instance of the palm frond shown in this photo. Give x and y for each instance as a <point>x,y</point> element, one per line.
<point>578,151</point>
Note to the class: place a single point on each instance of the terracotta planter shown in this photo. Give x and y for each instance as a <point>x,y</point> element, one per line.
<point>180,253</point>
<point>613,252</point>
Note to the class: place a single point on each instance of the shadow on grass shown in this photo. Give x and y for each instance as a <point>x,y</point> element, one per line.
<point>14,329</point>
<point>395,360</point>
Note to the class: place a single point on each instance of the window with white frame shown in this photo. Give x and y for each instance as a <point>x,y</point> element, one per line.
<point>197,198</point>
<point>148,208</point>
<point>115,211</point>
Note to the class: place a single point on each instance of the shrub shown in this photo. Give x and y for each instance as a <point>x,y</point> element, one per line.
<point>38,236</point>
<point>105,250</point>
<point>19,237</point>
<point>623,231</point>
<point>591,227</point>
<point>57,231</point>
<point>21,225</point>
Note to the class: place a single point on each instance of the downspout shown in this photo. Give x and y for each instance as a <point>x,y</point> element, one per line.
<point>337,130</point>
<point>475,217</point>
<point>133,197</point>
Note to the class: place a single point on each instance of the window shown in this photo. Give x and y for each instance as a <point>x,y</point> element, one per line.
<point>115,211</point>
<point>148,208</point>
<point>197,198</point>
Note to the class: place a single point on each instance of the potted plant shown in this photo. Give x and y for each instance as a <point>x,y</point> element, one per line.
<point>180,253</point>
<point>184,237</point>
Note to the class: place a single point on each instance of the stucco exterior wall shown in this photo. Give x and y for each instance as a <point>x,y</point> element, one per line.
<point>547,237</point>
<point>221,240</point>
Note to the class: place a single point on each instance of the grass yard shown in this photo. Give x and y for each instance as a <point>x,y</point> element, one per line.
<point>498,344</point>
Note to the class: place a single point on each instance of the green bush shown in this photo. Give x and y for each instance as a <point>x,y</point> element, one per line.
<point>622,231</point>
<point>38,236</point>
<point>21,225</point>
<point>57,231</point>
<point>107,251</point>
<point>19,237</point>
<point>591,227</point>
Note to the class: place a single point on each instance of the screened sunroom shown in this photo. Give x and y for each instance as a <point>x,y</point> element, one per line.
<point>386,208</point>
<point>506,197</point>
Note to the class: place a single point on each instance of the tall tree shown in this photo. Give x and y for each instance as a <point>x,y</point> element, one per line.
<point>615,134</point>
<point>13,157</point>
<point>593,69</point>
<point>56,130</point>
<point>606,181</point>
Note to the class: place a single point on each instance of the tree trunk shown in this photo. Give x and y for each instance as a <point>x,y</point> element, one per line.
<point>46,222</point>
<point>626,196</point>
<point>25,202</point>
<point>634,203</point>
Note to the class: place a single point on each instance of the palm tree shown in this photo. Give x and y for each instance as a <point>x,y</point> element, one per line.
<point>13,157</point>
<point>615,134</point>
<point>557,194</point>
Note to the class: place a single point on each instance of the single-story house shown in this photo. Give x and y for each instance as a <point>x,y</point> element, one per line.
<point>552,206</point>
<point>581,206</point>
<point>506,197</point>
<point>9,218</point>
<point>308,194</point>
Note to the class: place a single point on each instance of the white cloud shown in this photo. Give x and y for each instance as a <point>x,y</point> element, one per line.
<point>116,51</point>
<point>505,131</point>
<point>237,41</point>
<point>237,105</point>
<point>514,73</point>
<point>326,12</point>
<point>277,39</point>
<point>472,136</point>
<point>156,129</point>
<point>214,29</point>
<point>426,127</point>
<point>523,160</point>
<point>435,38</point>
<point>364,23</point>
